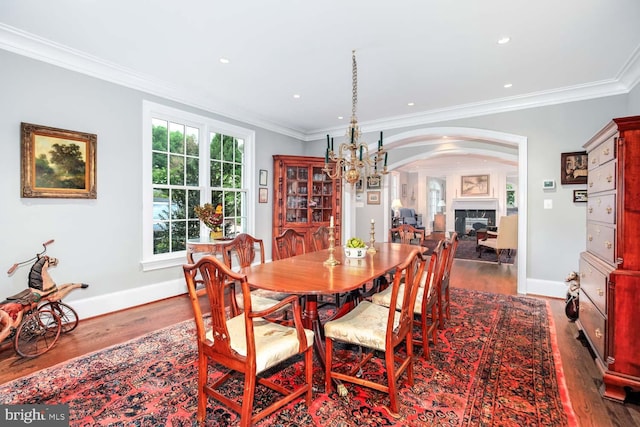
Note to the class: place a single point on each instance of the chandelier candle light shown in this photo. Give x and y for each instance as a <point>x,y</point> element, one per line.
<point>353,160</point>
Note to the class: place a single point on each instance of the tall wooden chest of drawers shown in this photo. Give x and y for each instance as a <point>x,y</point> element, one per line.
<point>609,314</point>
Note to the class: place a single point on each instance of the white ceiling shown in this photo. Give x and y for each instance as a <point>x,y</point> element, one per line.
<point>441,55</point>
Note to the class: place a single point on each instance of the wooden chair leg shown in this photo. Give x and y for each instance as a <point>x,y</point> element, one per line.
<point>247,399</point>
<point>327,365</point>
<point>202,395</point>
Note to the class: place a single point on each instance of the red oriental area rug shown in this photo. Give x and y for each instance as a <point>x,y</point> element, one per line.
<point>495,364</point>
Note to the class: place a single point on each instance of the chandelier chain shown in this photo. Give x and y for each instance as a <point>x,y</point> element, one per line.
<point>354,85</point>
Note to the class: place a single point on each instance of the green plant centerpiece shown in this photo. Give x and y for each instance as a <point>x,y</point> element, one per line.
<point>355,248</point>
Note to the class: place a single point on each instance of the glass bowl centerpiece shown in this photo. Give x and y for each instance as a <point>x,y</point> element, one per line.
<point>355,248</point>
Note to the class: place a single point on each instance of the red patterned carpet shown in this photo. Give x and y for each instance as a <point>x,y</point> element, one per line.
<point>495,364</point>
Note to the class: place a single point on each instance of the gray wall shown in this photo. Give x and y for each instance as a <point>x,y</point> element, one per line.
<point>97,241</point>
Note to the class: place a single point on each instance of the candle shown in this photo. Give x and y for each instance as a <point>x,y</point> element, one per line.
<point>327,142</point>
<point>361,152</point>
<point>372,221</point>
<point>385,159</point>
<point>352,130</point>
<point>331,144</point>
<point>326,156</point>
<point>380,138</point>
<point>331,221</point>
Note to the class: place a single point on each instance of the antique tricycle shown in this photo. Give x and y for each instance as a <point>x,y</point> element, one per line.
<point>34,318</point>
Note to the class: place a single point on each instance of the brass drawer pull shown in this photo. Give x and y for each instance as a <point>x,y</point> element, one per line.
<point>600,292</point>
<point>593,161</point>
<point>605,151</point>
<point>590,238</point>
<point>609,209</point>
<point>608,245</point>
<point>590,183</point>
<point>598,333</point>
<point>609,178</point>
<point>590,209</point>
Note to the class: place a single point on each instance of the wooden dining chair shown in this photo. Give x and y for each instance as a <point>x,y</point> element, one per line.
<point>426,306</point>
<point>320,239</point>
<point>244,342</point>
<point>407,234</point>
<point>378,329</point>
<point>444,297</point>
<point>289,243</point>
<point>245,248</point>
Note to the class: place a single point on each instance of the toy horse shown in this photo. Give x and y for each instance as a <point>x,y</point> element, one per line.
<point>41,287</point>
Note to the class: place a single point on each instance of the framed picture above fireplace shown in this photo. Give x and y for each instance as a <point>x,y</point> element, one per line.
<point>474,185</point>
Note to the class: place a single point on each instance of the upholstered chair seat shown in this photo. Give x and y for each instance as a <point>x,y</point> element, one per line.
<point>274,342</point>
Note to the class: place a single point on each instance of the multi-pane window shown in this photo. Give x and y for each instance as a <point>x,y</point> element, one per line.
<point>226,159</point>
<point>194,160</point>
<point>175,177</point>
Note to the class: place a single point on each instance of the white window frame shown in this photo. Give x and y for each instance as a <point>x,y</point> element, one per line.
<point>206,125</point>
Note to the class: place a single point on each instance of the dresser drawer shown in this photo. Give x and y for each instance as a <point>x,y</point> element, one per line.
<point>602,208</point>
<point>603,153</point>
<point>602,178</point>
<point>593,325</point>
<point>601,240</point>
<point>593,282</point>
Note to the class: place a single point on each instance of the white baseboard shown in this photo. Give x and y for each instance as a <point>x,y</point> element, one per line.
<point>103,304</point>
<point>547,288</point>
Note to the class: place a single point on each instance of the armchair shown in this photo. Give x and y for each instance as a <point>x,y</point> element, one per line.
<point>408,216</point>
<point>506,238</point>
<point>245,343</point>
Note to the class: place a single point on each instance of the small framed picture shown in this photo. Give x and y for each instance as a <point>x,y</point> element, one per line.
<point>573,168</point>
<point>263,177</point>
<point>263,195</point>
<point>374,182</point>
<point>579,196</point>
<point>549,184</point>
<point>373,197</point>
<point>474,185</point>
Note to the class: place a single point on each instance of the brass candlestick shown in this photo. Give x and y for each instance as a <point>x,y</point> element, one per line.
<point>332,247</point>
<point>372,239</point>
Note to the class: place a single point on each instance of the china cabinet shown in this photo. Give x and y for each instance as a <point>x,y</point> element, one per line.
<point>304,197</point>
<point>610,267</point>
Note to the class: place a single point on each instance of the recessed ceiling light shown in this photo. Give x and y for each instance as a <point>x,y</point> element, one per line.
<point>224,60</point>
<point>508,85</point>
<point>340,117</point>
<point>504,40</point>
<point>296,95</point>
<point>411,104</point>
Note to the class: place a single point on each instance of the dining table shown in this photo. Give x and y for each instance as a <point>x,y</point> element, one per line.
<point>309,275</point>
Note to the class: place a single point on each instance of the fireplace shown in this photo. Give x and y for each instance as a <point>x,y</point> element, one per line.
<point>468,221</point>
<point>472,214</point>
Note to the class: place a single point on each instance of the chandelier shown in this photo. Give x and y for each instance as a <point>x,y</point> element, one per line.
<point>353,160</point>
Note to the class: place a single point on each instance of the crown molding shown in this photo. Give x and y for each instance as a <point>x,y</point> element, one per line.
<point>29,45</point>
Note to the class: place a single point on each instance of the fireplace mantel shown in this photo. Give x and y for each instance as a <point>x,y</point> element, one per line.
<point>477,203</point>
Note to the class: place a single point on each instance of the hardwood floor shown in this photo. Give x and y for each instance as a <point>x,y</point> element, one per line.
<point>581,372</point>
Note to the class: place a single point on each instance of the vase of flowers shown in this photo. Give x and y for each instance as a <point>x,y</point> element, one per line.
<point>212,218</point>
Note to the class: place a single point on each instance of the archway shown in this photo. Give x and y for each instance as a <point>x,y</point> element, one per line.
<point>433,136</point>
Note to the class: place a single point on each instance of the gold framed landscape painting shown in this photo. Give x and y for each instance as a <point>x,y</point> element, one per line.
<point>57,163</point>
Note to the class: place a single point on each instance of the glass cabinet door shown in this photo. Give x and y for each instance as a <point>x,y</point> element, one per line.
<point>297,185</point>
<point>322,196</point>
